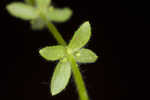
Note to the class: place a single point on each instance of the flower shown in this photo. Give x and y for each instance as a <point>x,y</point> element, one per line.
<point>75,48</point>
<point>31,10</point>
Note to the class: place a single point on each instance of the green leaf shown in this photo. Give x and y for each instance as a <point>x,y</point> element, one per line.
<point>59,15</point>
<point>81,37</point>
<point>21,10</point>
<point>60,77</point>
<point>37,24</point>
<point>43,3</point>
<point>85,56</point>
<point>52,52</point>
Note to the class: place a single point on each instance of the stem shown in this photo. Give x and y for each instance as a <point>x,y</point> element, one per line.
<point>78,78</point>
<point>31,2</point>
<point>76,72</point>
<point>54,31</point>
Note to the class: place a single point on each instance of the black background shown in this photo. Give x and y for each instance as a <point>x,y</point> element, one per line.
<point>118,27</point>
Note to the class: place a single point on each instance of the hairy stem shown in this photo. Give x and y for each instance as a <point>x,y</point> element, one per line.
<point>76,72</point>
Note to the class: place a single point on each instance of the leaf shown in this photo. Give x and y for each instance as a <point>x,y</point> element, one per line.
<point>81,37</point>
<point>22,11</point>
<point>59,15</point>
<point>43,3</point>
<point>60,77</point>
<point>85,56</point>
<point>52,52</point>
<point>37,24</point>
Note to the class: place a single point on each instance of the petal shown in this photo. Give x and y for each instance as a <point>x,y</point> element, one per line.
<point>23,11</point>
<point>37,24</point>
<point>52,53</point>
<point>60,77</point>
<point>59,15</point>
<point>85,56</point>
<point>81,37</point>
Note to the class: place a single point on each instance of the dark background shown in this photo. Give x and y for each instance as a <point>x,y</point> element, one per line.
<point>119,28</point>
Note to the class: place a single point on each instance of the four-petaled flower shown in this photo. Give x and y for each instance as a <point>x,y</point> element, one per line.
<point>75,48</point>
<point>32,11</point>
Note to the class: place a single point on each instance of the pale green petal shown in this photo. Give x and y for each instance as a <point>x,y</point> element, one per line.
<point>43,3</point>
<point>59,14</point>
<point>52,53</point>
<point>21,10</point>
<point>81,37</point>
<point>60,77</point>
<point>85,56</point>
<point>37,24</point>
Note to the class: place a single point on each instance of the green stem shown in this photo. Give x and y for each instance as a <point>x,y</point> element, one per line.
<point>31,2</point>
<point>54,31</point>
<point>78,79</point>
<point>76,72</point>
